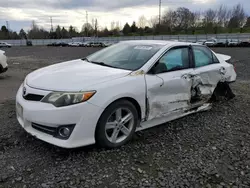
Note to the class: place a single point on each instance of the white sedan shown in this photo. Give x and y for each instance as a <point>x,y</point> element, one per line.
<point>5,44</point>
<point>75,44</point>
<point>130,86</point>
<point>3,62</point>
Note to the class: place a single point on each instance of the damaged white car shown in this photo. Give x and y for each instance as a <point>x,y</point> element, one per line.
<point>131,86</point>
<point>3,62</point>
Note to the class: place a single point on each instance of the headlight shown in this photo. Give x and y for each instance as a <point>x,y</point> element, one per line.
<point>60,99</point>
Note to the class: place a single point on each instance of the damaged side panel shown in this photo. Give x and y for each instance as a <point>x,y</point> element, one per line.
<point>167,93</point>
<point>206,79</point>
<point>182,91</point>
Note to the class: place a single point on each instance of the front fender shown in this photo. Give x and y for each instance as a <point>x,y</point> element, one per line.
<point>126,87</point>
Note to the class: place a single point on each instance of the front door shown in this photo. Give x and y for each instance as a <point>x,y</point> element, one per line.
<point>168,89</point>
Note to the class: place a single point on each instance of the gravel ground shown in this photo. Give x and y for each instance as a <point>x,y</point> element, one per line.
<point>208,149</point>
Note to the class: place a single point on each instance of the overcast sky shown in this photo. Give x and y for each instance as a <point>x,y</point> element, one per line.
<point>20,13</point>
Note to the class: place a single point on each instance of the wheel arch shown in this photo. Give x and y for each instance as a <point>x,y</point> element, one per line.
<point>130,99</point>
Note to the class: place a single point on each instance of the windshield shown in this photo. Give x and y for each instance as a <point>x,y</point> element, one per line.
<point>128,56</point>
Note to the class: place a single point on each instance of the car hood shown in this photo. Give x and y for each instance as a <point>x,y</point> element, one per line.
<point>73,75</point>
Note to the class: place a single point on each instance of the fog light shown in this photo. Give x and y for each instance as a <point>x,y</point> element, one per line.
<point>64,132</point>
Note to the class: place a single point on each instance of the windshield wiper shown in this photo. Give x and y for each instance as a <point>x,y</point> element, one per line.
<point>86,59</point>
<point>102,64</point>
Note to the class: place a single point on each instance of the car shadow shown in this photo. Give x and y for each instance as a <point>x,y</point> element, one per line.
<point>4,77</point>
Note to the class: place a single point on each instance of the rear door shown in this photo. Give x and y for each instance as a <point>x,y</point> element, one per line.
<point>208,71</point>
<point>168,89</point>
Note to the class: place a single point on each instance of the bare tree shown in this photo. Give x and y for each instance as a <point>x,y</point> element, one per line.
<point>153,22</point>
<point>170,19</point>
<point>195,20</point>
<point>87,29</point>
<point>142,21</point>
<point>222,15</point>
<point>34,26</point>
<point>238,15</point>
<point>183,18</point>
<point>209,17</point>
<point>96,27</point>
<point>117,26</point>
<point>112,25</point>
<point>228,17</point>
<point>93,22</point>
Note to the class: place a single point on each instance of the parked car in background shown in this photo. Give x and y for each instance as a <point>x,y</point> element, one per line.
<point>75,44</point>
<point>5,44</point>
<point>233,42</point>
<point>29,43</point>
<point>221,43</point>
<point>202,42</point>
<point>107,44</point>
<point>3,62</point>
<point>88,44</point>
<point>98,44</point>
<point>84,44</point>
<point>191,41</point>
<point>211,42</point>
<point>63,44</point>
<point>245,43</point>
<point>131,86</point>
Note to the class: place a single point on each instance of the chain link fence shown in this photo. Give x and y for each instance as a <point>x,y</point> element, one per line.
<point>187,38</point>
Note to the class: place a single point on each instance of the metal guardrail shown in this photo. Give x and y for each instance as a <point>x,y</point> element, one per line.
<point>189,38</point>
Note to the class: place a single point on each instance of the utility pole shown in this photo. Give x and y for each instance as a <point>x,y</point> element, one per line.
<point>51,24</point>
<point>87,25</point>
<point>159,12</point>
<point>7,25</point>
<point>8,29</point>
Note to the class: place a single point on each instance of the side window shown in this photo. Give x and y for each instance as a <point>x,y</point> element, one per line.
<point>174,59</point>
<point>203,56</point>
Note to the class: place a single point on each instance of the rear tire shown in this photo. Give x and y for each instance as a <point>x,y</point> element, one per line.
<point>117,124</point>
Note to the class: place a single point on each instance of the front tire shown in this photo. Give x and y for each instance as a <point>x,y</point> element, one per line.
<point>117,124</point>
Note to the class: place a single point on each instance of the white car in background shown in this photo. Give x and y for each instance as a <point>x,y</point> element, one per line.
<point>5,44</point>
<point>202,42</point>
<point>75,44</point>
<point>211,42</point>
<point>3,62</point>
<point>130,86</point>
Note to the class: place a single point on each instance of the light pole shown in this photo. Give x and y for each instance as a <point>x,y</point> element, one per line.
<point>159,12</point>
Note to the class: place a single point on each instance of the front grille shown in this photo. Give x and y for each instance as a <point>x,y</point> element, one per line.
<point>33,97</point>
<point>45,129</point>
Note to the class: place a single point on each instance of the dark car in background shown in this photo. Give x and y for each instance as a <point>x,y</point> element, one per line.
<point>222,43</point>
<point>63,44</point>
<point>245,43</point>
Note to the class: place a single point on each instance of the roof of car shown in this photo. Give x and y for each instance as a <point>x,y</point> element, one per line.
<point>155,42</point>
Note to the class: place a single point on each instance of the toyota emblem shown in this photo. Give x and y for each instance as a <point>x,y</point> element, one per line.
<point>24,91</point>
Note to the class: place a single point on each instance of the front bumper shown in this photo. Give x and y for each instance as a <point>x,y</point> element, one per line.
<point>84,116</point>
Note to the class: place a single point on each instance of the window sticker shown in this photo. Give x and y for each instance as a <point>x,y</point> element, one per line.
<point>143,47</point>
